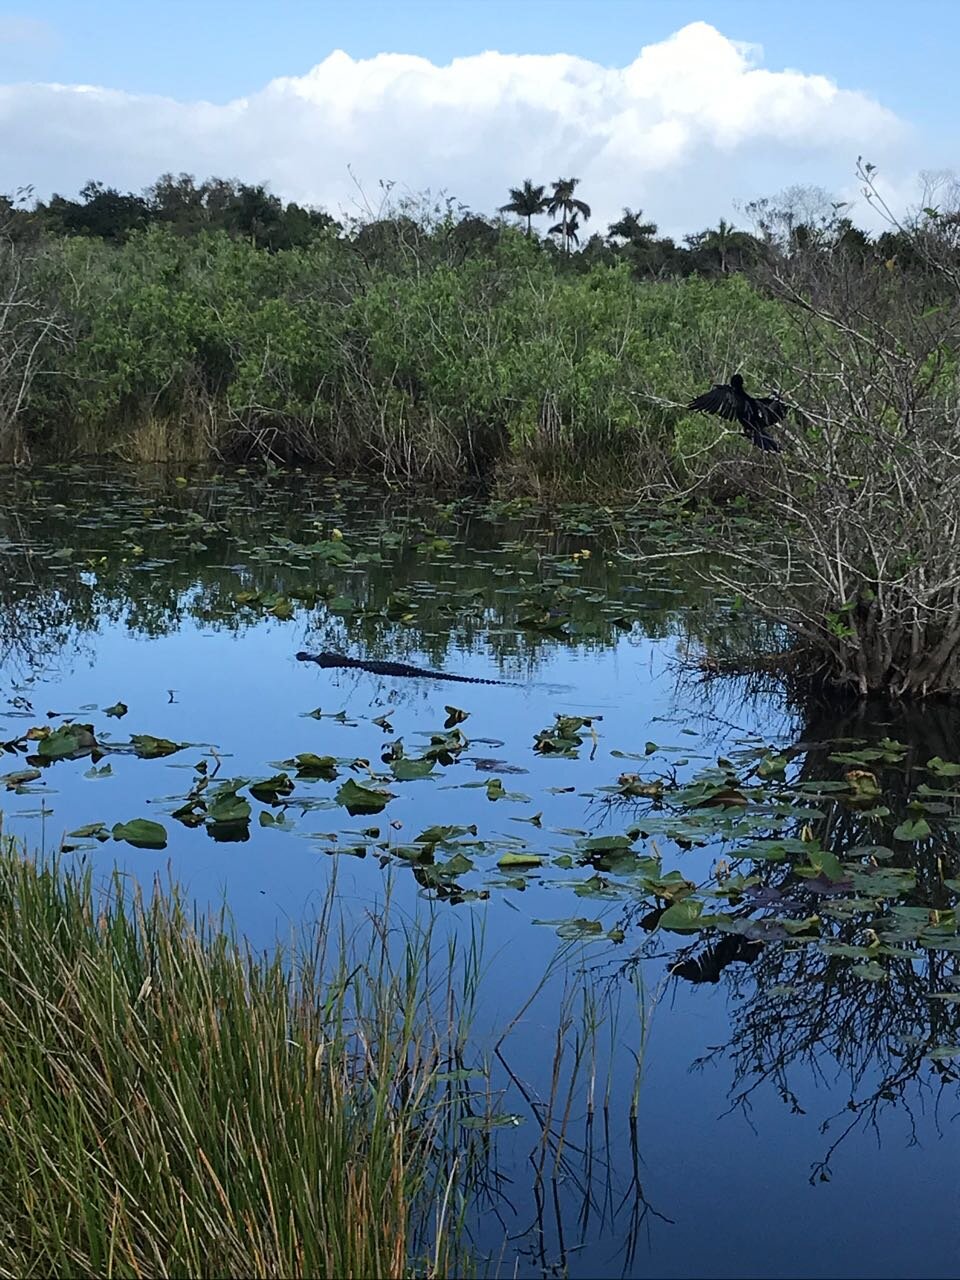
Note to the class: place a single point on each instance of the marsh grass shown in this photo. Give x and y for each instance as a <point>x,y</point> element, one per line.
<point>191,437</point>
<point>176,1105</point>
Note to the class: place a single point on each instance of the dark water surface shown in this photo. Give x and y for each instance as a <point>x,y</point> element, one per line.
<point>797,1091</point>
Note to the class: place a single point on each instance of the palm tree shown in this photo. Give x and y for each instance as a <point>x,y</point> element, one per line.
<point>720,242</point>
<point>722,249</point>
<point>568,230</point>
<point>526,202</point>
<point>631,229</point>
<point>563,201</point>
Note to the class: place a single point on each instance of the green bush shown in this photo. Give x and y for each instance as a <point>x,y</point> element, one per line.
<point>428,362</point>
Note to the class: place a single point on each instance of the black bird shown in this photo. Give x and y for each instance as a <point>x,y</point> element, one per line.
<point>754,413</point>
<point>708,966</point>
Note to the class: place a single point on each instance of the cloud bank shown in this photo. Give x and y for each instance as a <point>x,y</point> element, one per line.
<point>690,126</point>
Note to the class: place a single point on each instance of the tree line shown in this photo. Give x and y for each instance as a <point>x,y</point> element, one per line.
<point>791,223</point>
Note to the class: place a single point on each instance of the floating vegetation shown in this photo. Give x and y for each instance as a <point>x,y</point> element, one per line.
<point>767,827</point>
<point>744,845</point>
<point>605,798</point>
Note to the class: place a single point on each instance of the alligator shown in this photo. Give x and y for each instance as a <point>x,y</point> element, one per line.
<point>378,668</point>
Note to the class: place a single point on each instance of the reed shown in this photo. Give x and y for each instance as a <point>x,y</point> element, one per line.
<point>175,1104</point>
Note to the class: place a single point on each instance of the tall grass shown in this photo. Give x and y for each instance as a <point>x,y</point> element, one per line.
<point>175,1105</point>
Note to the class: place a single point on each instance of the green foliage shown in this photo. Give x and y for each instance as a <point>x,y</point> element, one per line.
<point>424,355</point>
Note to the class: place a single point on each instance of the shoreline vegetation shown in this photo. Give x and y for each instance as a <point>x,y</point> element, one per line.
<point>175,1104</point>
<point>429,345</point>
<point>211,320</point>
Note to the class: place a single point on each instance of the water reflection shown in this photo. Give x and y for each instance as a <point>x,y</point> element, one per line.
<point>803,1013</point>
<point>819,1000</point>
<point>82,550</point>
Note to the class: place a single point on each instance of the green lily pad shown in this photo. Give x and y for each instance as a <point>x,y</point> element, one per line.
<point>407,770</point>
<point>602,844</point>
<point>142,833</point>
<point>944,1052</point>
<point>92,830</point>
<point>511,861</point>
<point>147,747</point>
<point>440,835</point>
<point>683,916</point>
<point>828,864</point>
<point>912,829</point>
<point>943,768</point>
<point>226,807</point>
<point>357,799</point>
<point>66,742</point>
<point>577,927</point>
<point>309,765</point>
<point>269,790</point>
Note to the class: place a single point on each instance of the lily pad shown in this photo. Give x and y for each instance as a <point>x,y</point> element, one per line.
<point>270,790</point>
<point>943,768</point>
<point>14,781</point>
<point>67,742</point>
<point>683,916</point>
<point>912,829</point>
<point>407,769</point>
<point>357,799</point>
<point>309,765</point>
<point>142,833</point>
<point>511,861</point>
<point>92,830</point>
<point>147,747</point>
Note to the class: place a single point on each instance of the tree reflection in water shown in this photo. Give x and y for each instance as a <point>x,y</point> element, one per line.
<point>826,978</point>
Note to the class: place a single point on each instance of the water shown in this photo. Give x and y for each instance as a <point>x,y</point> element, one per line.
<point>186,600</point>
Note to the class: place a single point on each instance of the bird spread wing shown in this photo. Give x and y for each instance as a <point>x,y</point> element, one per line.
<point>770,410</point>
<point>719,400</point>
<point>759,437</point>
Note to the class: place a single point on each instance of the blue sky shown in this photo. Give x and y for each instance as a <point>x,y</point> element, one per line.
<point>903,53</point>
<point>901,56</point>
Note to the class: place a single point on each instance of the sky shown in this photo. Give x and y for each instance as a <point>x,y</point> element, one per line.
<point>686,110</point>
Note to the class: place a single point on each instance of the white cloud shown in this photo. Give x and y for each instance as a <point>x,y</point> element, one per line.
<point>692,124</point>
